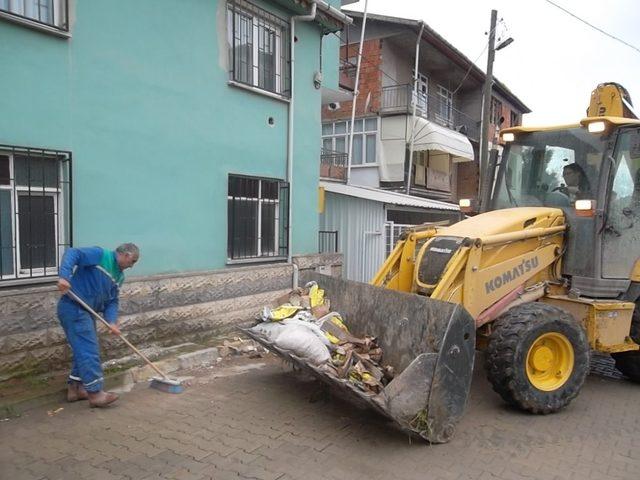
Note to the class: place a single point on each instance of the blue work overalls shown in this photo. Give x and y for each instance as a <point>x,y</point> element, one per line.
<point>95,277</point>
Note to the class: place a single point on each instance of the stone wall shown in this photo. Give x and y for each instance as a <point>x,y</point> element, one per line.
<point>163,310</point>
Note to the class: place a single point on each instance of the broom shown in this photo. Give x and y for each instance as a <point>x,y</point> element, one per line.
<point>164,384</point>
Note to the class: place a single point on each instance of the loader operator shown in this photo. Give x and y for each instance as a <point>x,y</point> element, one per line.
<point>577,187</point>
<point>95,275</point>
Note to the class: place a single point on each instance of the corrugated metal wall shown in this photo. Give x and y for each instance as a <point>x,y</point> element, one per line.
<point>356,220</point>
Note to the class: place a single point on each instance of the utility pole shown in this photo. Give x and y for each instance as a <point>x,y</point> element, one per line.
<point>486,103</point>
<point>356,86</point>
<point>414,92</point>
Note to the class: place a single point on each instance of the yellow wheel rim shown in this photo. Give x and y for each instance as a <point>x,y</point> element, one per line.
<point>550,361</point>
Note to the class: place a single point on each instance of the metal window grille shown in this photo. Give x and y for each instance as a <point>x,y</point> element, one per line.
<point>328,241</point>
<point>53,13</point>
<point>35,211</point>
<point>392,232</point>
<point>258,48</point>
<point>258,218</point>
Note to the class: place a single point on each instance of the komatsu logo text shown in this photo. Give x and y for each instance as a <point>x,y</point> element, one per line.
<point>510,275</point>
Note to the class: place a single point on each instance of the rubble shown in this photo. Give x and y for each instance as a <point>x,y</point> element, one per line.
<point>301,322</point>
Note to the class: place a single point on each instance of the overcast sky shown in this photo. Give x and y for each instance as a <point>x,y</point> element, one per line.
<point>555,60</point>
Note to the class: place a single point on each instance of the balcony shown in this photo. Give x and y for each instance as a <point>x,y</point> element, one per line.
<point>399,99</point>
<point>347,80</point>
<point>333,165</point>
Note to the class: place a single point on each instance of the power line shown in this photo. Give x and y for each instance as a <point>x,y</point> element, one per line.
<point>593,26</point>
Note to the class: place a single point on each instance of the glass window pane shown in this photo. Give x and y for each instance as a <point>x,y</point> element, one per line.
<point>327,128</point>
<point>6,234</point>
<point>341,144</point>
<point>266,58</point>
<point>36,219</point>
<point>341,127</point>
<point>268,228</point>
<point>357,125</point>
<point>371,124</point>
<point>269,190</point>
<point>327,144</point>
<point>5,177</point>
<point>356,159</point>
<point>243,225</point>
<point>283,219</point>
<point>243,187</point>
<point>371,149</point>
<point>35,171</point>
<point>242,52</point>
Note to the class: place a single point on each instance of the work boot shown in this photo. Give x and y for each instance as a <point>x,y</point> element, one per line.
<point>76,391</point>
<point>101,399</point>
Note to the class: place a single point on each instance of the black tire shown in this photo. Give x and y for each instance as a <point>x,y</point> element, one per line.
<point>514,332</point>
<point>635,324</point>
<point>628,363</point>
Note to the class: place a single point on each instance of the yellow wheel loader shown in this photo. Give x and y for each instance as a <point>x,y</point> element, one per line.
<point>550,268</point>
<point>548,271</point>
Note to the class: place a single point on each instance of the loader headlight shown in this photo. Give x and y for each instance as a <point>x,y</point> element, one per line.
<point>508,137</point>
<point>466,205</point>
<point>596,127</point>
<point>585,208</point>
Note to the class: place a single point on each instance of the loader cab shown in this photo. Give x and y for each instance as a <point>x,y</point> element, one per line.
<point>592,176</point>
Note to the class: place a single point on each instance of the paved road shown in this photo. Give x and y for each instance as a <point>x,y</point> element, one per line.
<point>252,419</point>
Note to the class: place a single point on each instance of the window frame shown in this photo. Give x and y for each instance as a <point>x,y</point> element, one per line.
<point>445,98</point>
<point>63,231</point>
<point>496,111</point>
<point>260,21</point>
<point>59,25</point>
<point>278,223</point>
<point>364,133</point>
<point>514,119</point>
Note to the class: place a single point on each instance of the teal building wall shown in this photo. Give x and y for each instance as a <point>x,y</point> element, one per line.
<point>139,94</point>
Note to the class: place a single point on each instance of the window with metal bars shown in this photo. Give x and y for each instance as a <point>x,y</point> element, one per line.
<point>496,111</point>
<point>258,224</point>
<point>35,211</point>
<point>258,48</point>
<point>53,13</point>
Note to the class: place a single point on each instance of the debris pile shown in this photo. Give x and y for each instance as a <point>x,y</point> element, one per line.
<point>302,323</point>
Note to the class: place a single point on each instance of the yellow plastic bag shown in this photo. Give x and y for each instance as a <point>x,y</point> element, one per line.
<point>282,312</point>
<point>316,295</point>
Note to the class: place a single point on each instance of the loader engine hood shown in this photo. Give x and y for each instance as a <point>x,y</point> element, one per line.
<point>435,255</point>
<point>504,221</point>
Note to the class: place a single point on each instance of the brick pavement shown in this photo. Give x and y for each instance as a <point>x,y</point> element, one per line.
<point>252,419</point>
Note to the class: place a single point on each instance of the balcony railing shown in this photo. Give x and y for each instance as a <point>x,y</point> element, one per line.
<point>347,75</point>
<point>401,98</point>
<point>333,165</point>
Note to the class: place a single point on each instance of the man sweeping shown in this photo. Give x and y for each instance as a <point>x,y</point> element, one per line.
<point>95,275</point>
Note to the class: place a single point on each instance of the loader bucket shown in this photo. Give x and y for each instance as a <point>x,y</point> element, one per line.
<point>429,343</point>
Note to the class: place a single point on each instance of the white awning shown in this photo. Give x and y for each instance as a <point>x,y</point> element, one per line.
<point>431,136</point>
<point>395,135</point>
<point>386,197</point>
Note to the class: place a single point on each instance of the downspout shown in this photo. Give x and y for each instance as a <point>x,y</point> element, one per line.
<point>302,18</point>
<point>355,91</point>
<point>415,101</point>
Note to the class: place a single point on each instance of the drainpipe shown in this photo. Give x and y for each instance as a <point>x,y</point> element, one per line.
<point>301,18</point>
<point>415,101</point>
<point>355,90</point>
